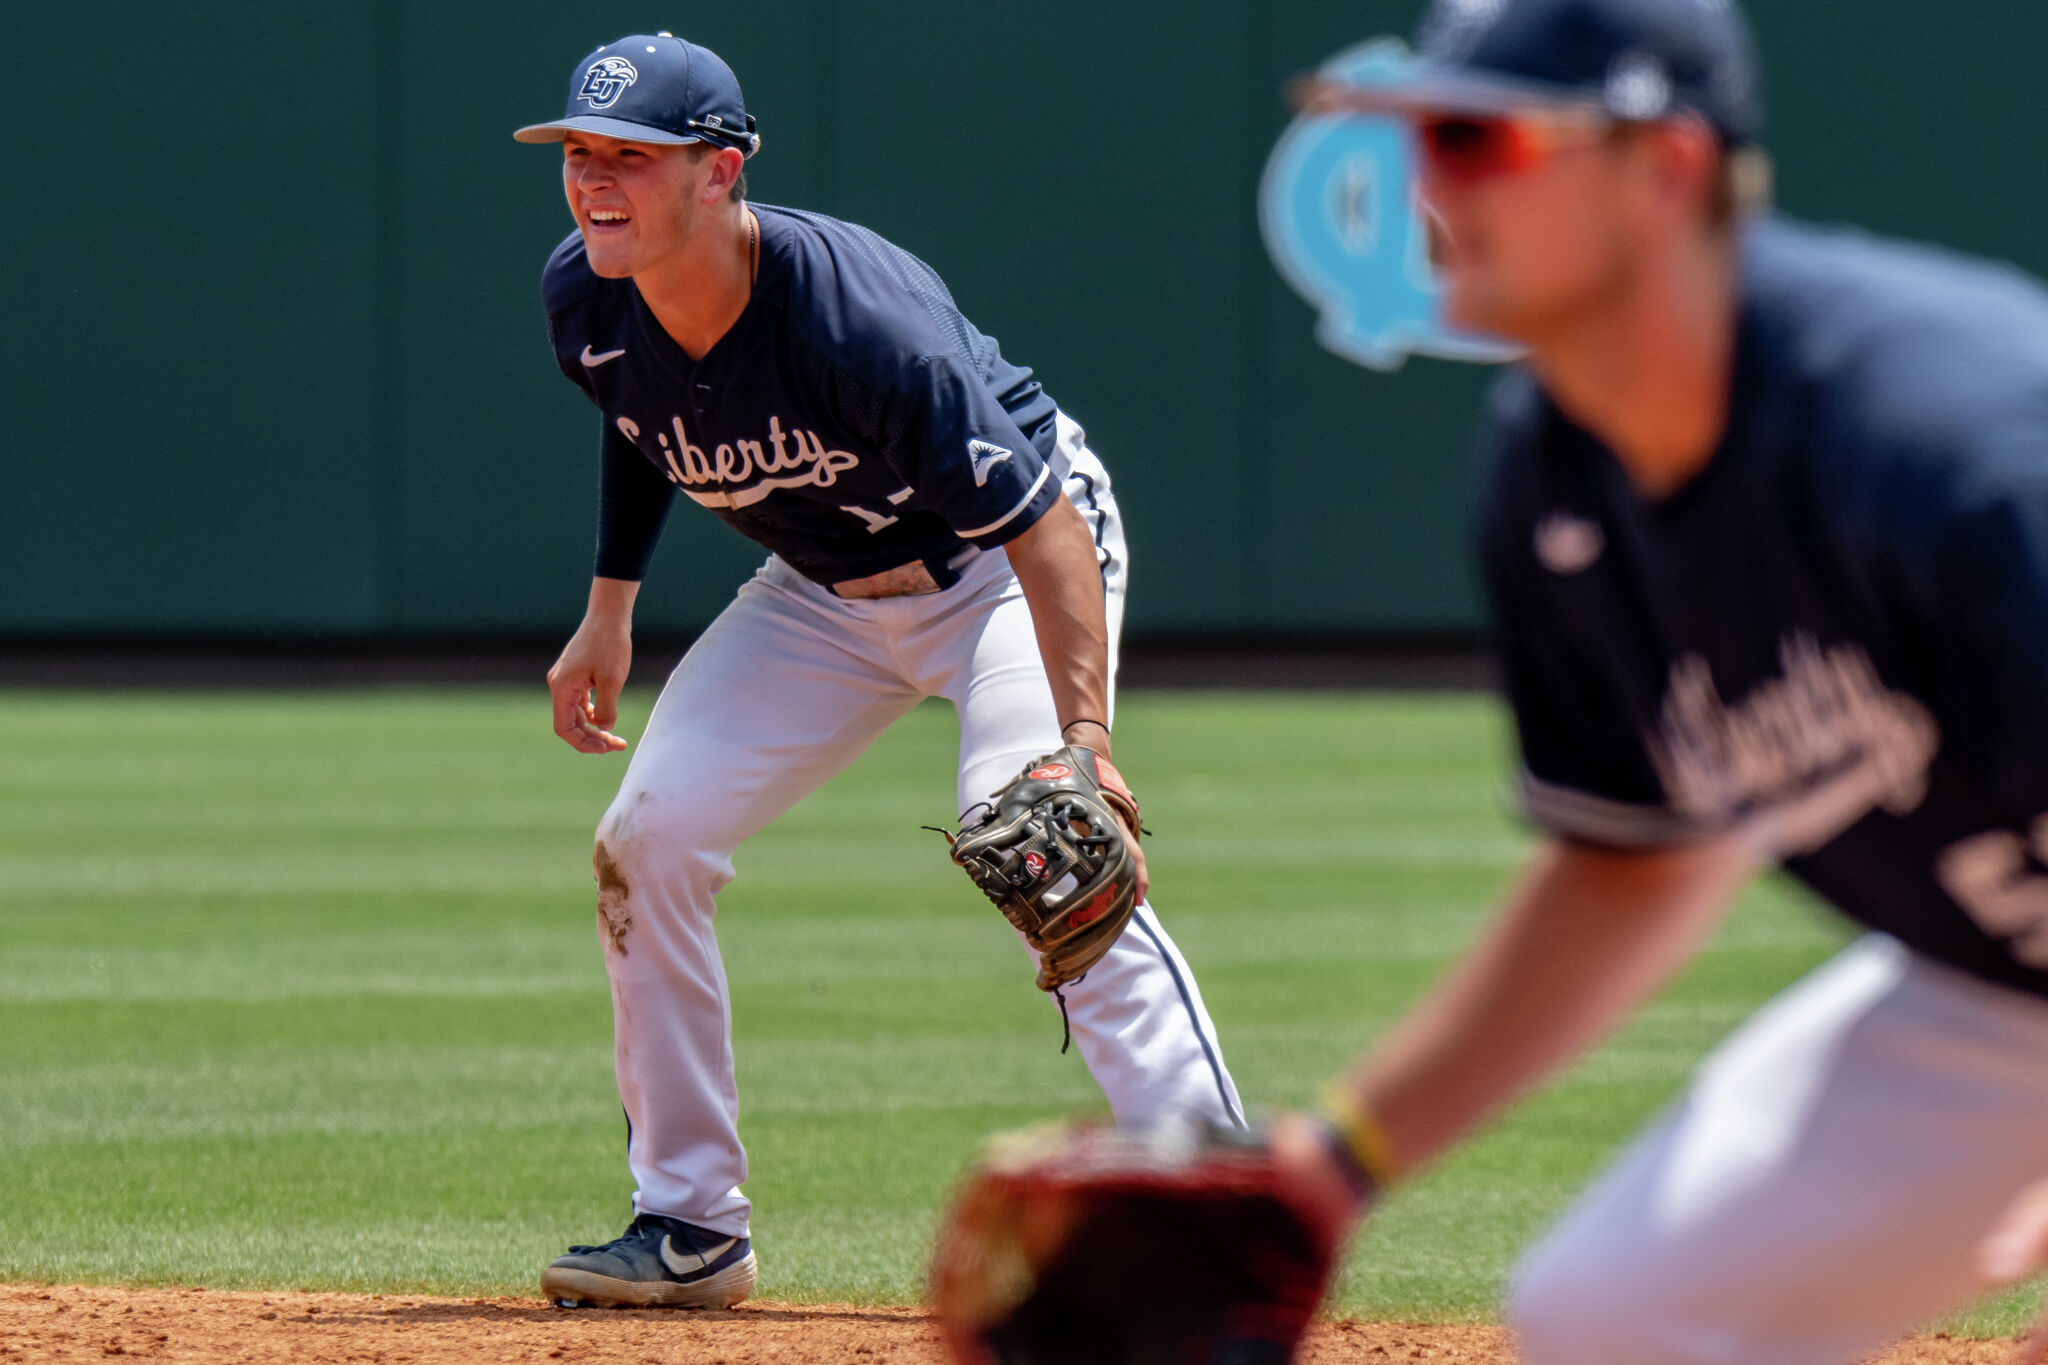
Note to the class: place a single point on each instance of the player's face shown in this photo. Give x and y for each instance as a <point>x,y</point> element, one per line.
<point>1529,221</point>
<point>637,203</point>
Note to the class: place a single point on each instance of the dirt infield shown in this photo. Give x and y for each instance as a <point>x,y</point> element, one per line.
<point>58,1323</point>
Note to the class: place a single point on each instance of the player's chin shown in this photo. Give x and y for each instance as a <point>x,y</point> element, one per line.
<point>1471,305</point>
<point>607,256</point>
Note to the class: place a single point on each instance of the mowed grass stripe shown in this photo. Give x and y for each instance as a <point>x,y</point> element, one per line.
<point>303,989</point>
<point>407,1089</point>
<point>789,949</point>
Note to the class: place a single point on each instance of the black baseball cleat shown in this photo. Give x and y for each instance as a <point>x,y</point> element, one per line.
<point>656,1263</point>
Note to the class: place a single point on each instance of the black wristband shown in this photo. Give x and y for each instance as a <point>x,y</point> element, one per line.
<point>1364,1187</point>
<point>1084,720</point>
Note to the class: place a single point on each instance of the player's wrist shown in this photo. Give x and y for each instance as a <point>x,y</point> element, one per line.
<point>614,617</point>
<point>1357,1142</point>
<point>1082,730</point>
<point>611,600</point>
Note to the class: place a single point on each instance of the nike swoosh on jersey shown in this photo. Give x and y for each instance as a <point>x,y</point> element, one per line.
<point>986,457</point>
<point>591,362</point>
<point>681,1265</point>
<point>1566,544</point>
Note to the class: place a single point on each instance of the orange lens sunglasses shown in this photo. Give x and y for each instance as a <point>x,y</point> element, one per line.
<point>1476,147</point>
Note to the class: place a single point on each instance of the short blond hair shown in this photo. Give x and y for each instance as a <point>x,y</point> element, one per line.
<point>1742,186</point>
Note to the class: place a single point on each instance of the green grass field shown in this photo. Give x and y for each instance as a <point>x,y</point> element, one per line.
<point>303,990</point>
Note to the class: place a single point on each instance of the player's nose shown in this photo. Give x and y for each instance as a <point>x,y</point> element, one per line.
<point>594,173</point>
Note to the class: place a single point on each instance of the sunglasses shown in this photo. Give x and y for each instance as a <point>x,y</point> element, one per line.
<point>1477,147</point>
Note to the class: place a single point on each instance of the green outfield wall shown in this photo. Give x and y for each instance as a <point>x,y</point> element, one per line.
<point>274,359</point>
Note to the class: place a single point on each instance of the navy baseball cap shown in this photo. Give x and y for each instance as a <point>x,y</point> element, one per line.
<point>653,88</point>
<point>1629,59</point>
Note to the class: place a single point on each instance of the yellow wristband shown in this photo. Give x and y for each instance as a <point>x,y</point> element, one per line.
<point>1362,1134</point>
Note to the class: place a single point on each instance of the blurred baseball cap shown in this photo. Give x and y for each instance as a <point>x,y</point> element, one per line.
<point>653,88</point>
<point>1636,60</point>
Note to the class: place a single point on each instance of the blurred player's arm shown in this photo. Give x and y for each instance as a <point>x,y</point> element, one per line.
<point>1589,934</point>
<point>633,502</point>
<point>1593,927</point>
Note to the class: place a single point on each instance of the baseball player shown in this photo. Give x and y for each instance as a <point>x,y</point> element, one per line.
<point>936,526</point>
<point>1766,536</point>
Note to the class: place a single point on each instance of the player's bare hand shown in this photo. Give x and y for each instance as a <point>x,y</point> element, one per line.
<point>2017,1248</point>
<point>1311,1181</point>
<point>585,683</point>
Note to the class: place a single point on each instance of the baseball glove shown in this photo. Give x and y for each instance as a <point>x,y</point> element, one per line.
<point>1049,851</point>
<point>1080,1245</point>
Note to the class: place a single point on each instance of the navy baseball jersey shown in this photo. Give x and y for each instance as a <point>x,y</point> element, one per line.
<point>1836,636</point>
<point>850,421</point>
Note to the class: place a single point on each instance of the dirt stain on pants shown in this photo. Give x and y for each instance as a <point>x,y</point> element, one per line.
<point>612,891</point>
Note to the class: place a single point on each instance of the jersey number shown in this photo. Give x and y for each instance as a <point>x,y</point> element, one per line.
<point>875,521</point>
<point>1992,877</point>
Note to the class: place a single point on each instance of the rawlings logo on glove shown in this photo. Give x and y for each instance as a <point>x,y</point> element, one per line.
<point>1050,852</point>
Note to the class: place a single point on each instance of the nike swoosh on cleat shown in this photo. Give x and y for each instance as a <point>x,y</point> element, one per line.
<point>593,361</point>
<point>679,1266</point>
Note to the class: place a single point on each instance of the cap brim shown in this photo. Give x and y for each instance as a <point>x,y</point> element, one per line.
<point>1426,90</point>
<point>602,127</point>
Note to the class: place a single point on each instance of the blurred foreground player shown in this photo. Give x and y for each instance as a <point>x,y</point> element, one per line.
<point>936,527</point>
<point>1766,535</point>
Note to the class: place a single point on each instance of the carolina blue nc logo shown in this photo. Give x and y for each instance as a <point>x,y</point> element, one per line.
<point>606,80</point>
<point>1337,207</point>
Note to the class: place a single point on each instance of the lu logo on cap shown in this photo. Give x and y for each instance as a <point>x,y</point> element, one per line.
<point>606,80</point>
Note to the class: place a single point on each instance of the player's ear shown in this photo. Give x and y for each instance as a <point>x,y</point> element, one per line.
<point>1685,157</point>
<point>726,165</point>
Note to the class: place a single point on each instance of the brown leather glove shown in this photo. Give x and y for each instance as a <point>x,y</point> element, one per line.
<point>1081,1245</point>
<point>1049,851</point>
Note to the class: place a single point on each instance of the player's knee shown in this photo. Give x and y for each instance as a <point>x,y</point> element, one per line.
<point>643,823</point>
<point>1568,1306</point>
<point>611,852</point>
<point>671,838</point>
<point>612,831</point>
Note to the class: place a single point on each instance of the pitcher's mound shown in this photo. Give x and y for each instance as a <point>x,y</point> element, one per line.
<point>210,1327</point>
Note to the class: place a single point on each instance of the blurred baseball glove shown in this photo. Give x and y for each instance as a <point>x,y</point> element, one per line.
<point>1080,1245</point>
<point>1049,851</point>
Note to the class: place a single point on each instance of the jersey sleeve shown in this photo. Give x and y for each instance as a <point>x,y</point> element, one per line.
<point>633,502</point>
<point>1585,774</point>
<point>946,434</point>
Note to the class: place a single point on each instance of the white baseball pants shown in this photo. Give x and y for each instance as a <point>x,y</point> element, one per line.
<point>1822,1188</point>
<point>787,687</point>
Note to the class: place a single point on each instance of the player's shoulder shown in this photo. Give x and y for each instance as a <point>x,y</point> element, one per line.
<point>1883,332</point>
<point>1845,277</point>
<point>1923,373</point>
<point>567,282</point>
<point>860,301</point>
